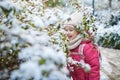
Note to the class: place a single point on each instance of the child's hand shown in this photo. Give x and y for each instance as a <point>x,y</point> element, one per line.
<point>79,64</point>
<point>86,67</point>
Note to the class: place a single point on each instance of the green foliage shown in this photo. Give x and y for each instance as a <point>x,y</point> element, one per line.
<point>45,73</point>
<point>17,32</point>
<point>10,61</point>
<point>8,55</point>
<point>57,37</point>
<point>42,61</point>
<point>9,51</point>
<point>114,19</point>
<point>110,41</point>
<point>87,27</point>
<point>53,3</point>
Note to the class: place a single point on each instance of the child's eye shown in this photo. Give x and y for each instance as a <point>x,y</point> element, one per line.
<point>65,30</point>
<point>71,30</point>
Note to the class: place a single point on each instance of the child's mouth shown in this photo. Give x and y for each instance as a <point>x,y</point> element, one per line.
<point>69,37</point>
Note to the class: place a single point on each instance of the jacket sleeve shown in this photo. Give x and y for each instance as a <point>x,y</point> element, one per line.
<point>92,58</point>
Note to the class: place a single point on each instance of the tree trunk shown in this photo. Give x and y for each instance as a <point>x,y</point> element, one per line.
<point>110,3</point>
<point>93,6</point>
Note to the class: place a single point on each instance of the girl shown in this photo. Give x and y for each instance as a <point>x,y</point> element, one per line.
<point>83,56</point>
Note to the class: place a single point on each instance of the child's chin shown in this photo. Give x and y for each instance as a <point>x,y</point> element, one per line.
<point>69,39</point>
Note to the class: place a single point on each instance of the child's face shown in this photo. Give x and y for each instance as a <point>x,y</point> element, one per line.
<point>70,32</point>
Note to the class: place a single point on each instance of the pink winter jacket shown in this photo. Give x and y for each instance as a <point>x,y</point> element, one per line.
<point>91,57</point>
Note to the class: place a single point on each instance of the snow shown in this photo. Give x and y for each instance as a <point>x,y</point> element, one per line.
<point>27,71</point>
<point>110,64</point>
<point>34,44</point>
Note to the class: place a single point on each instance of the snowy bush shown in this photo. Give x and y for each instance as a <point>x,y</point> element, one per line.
<point>114,19</point>
<point>26,51</point>
<point>109,37</point>
<point>108,30</point>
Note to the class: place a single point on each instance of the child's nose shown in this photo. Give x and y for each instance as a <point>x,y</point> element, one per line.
<point>68,32</point>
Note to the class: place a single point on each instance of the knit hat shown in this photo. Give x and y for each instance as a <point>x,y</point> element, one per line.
<point>75,18</point>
